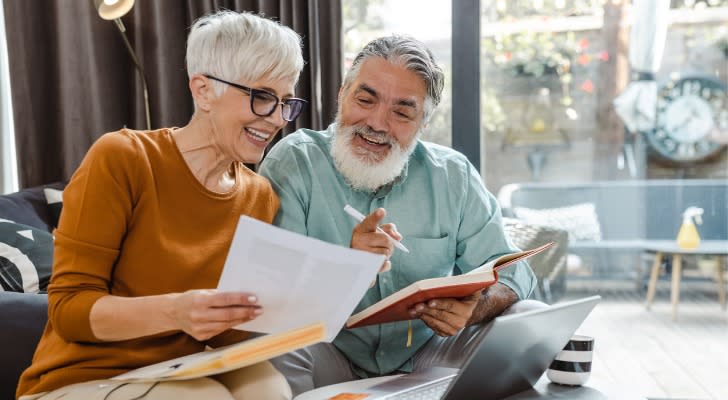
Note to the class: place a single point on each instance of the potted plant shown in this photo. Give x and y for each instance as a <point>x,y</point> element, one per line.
<point>539,55</point>
<point>533,54</point>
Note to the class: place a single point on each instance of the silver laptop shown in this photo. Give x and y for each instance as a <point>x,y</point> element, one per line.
<point>512,355</point>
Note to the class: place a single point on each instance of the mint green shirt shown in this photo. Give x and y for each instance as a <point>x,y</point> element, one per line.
<point>450,223</point>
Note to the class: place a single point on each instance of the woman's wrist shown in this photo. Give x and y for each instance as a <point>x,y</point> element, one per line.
<point>169,318</point>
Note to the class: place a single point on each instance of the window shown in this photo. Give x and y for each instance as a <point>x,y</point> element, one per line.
<point>550,69</point>
<point>9,176</point>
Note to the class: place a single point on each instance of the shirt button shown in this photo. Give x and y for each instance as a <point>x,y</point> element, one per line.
<point>384,280</point>
<point>381,353</point>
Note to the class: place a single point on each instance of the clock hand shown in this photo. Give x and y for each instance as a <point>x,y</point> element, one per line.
<point>683,123</point>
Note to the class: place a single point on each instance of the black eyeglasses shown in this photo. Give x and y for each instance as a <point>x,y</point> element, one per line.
<point>264,103</point>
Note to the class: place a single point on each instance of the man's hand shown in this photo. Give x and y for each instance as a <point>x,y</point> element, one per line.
<point>365,236</point>
<point>447,316</point>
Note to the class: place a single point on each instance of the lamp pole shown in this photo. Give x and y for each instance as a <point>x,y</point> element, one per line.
<point>122,32</point>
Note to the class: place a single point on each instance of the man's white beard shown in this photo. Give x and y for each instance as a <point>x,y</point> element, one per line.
<point>360,167</point>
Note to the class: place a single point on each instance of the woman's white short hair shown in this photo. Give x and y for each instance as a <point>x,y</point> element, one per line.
<point>243,46</point>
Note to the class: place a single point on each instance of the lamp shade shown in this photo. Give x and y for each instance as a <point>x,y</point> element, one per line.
<point>113,9</point>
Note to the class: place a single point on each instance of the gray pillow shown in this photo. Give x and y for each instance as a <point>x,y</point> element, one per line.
<point>579,220</point>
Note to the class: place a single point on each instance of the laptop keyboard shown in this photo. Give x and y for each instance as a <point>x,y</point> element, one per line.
<point>427,392</point>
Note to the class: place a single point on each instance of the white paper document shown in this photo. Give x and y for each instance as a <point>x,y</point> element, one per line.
<point>298,280</point>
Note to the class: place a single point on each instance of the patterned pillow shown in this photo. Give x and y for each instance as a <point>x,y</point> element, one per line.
<point>579,220</point>
<point>54,198</point>
<point>26,258</point>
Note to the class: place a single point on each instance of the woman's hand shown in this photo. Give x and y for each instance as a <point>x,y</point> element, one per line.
<point>203,314</point>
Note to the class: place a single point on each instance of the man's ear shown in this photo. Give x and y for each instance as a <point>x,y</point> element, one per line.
<point>340,97</point>
<point>202,91</point>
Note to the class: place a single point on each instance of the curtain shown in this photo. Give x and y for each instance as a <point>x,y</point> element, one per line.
<point>72,79</point>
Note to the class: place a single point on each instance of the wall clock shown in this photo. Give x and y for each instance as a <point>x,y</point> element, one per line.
<point>688,111</point>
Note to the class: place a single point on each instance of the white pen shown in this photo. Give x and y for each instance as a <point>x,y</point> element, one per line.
<point>360,217</point>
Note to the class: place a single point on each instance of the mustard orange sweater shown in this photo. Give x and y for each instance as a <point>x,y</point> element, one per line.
<point>135,222</point>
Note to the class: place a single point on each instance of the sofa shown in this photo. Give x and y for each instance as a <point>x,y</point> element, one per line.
<point>610,222</point>
<point>23,315</point>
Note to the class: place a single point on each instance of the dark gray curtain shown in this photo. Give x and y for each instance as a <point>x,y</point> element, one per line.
<point>72,79</point>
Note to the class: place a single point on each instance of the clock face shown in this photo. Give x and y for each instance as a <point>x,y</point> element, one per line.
<point>688,119</point>
<point>688,111</point>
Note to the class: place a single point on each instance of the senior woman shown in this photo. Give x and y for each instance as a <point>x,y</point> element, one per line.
<point>147,221</point>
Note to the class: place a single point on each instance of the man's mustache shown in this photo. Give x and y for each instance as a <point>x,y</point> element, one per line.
<point>368,131</point>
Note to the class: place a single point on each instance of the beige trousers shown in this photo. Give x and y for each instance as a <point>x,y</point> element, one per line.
<point>259,381</point>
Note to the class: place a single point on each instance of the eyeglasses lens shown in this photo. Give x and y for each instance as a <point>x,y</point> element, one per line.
<point>291,109</point>
<point>263,103</point>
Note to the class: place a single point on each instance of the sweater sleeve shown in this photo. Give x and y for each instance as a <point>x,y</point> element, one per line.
<point>97,210</point>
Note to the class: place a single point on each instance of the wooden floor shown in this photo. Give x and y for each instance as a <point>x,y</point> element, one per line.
<point>650,353</point>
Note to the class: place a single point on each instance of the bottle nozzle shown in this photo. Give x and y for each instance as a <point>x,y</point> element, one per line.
<point>693,212</point>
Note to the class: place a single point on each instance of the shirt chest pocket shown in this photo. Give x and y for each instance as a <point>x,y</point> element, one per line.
<point>428,258</point>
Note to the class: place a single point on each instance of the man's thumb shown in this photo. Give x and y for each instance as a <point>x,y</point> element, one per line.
<point>371,222</point>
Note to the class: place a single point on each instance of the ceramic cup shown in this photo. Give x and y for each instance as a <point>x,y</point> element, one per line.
<point>572,366</point>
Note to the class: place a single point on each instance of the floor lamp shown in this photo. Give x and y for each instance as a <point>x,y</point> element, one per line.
<point>113,10</point>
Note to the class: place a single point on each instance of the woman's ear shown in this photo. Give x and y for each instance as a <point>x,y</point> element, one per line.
<point>202,92</point>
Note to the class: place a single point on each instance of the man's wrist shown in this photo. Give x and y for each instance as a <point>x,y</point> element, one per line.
<point>493,302</point>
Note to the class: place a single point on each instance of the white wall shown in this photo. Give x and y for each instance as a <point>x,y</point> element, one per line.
<point>8,166</point>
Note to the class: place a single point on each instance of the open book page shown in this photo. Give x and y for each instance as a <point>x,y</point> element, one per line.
<point>508,259</point>
<point>395,307</point>
<point>298,280</point>
<point>228,358</point>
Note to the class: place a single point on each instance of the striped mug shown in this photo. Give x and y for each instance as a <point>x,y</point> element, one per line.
<point>572,366</point>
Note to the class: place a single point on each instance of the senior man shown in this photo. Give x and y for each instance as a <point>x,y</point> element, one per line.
<point>372,158</point>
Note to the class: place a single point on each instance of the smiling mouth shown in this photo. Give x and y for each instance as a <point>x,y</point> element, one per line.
<point>258,135</point>
<point>378,140</point>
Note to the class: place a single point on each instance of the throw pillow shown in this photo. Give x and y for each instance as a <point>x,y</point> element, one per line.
<point>54,198</point>
<point>26,257</point>
<point>579,220</point>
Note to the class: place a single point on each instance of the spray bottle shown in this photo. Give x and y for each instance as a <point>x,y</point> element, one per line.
<point>688,237</point>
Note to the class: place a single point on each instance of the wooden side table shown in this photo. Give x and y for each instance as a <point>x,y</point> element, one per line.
<point>717,248</point>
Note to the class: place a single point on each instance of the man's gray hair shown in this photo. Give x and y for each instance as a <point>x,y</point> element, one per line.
<point>233,46</point>
<point>412,55</point>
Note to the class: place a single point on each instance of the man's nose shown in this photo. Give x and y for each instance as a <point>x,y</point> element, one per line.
<point>378,119</point>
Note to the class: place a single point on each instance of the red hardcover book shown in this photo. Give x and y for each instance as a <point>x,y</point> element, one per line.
<point>396,306</point>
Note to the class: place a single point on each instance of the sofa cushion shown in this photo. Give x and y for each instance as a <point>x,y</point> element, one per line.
<point>29,207</point>
<point>579,220</point>
<point>26,257</point>
<point>22,321</point>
